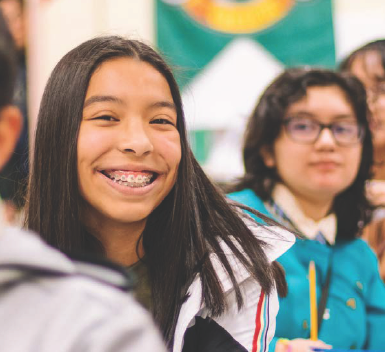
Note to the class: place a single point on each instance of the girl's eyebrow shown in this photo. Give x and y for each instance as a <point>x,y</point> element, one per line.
<point>163,104</point>
<point>110,98</point>
<point>307,114</point>
<point>101,99</point>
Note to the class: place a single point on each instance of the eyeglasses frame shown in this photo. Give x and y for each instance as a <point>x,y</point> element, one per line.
<point>361,132</point>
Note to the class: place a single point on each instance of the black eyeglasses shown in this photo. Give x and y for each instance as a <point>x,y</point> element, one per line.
<point>307,131</point>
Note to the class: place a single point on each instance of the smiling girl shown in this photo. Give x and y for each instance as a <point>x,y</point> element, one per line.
<point>307,153</point>
<point>113,174</point>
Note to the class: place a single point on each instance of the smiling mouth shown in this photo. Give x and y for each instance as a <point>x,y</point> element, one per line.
<point>325,163</point>
<point>131,179</point>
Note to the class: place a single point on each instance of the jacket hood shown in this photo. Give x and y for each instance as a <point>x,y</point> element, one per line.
<point>20,248</point>
<point>23,253</point>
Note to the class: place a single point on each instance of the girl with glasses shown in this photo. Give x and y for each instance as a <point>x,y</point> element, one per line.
<point>113,174</point>
<point>307,155</point>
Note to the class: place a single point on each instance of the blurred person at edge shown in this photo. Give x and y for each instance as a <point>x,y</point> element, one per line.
<point>368,64</point>
<point>13,176</point>
<point>49,302</point>
<point>308,153</point>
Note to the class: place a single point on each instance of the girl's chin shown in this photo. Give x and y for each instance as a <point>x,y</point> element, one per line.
<point>329,190</point>
<point>128,218</point>
<point>121,216</point>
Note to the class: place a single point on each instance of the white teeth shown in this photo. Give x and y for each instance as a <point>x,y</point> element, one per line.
<point>123,178</point>
<point>131,178</point>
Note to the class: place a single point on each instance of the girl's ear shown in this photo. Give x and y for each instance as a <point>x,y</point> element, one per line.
<point>267,155</point>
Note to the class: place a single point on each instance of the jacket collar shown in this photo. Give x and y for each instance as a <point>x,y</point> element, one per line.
<point>286,201</point>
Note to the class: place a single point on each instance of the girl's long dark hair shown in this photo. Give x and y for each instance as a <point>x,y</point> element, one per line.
<point>179,235</point>
<point>351,206</point>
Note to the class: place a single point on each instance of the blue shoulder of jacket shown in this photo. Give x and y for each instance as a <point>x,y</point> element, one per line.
<point>250,199</point>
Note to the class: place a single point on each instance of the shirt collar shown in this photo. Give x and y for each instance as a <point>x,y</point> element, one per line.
<point>282,196</point>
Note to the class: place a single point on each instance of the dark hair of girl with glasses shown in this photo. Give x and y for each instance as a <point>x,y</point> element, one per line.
<point>307,155</point>
<point>113,174</point>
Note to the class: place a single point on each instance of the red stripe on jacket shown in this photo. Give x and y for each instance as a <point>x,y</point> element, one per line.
<point>258,325</point>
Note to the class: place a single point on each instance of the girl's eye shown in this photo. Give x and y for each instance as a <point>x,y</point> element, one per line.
<point>346,129</point>
<point>105,118</point>
<point>160,121</point>
<point>302,126</point>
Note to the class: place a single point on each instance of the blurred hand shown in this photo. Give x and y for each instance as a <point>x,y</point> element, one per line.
<point>301,345</point>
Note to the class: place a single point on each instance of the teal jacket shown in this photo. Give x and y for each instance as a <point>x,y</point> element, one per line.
<point>354,317</point>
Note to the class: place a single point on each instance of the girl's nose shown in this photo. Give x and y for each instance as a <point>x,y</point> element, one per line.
<point>134,138</point>
<point>326,139</point>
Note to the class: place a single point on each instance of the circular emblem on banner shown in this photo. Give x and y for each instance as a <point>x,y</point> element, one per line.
<point>242,16</point>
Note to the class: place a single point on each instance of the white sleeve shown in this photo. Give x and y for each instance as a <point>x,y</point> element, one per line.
<point>254,325</point>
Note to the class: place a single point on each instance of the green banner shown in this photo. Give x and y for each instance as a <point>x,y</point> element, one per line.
<point>295,32</point>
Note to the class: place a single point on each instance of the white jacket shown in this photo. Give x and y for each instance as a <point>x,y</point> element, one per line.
<point>48,304</point>
<point>253,326</point>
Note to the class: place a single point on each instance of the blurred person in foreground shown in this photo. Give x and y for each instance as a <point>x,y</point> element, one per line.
<point>307,155</point>
<point>368,64</point>
<point>14,174</point>
<point>47,301</point>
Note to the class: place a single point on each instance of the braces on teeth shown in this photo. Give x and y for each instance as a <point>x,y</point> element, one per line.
<point>131,180</point>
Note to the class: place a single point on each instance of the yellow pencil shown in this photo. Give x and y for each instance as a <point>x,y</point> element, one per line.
<point>313,303</point>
